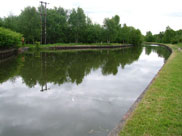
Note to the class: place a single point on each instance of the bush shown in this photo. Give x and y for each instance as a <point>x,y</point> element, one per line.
<point>135,37</point>
<point>37,45</point>
<point>174,41</point>
<point>9,38</point>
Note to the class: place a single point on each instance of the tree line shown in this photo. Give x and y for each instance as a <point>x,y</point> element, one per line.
<point>70,26</point>
<point>168,36</point>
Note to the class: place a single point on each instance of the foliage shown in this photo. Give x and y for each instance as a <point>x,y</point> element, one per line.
<point>135,36</point>
<point>9,38</point>
<point>11,22</point>
<point>57,26</point>
<point>29,24</point>
<point>149,37</point>
<point>129,35</point>
<point>37,45</point>
<point>77,22</point>
<point>1,22</point>
<point>68,26</point>
<point>168,36</point>
<point>111,27</point>
<point>11,66</point>
<point>73,66</point>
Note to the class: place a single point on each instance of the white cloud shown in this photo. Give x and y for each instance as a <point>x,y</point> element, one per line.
<point>146,15</point>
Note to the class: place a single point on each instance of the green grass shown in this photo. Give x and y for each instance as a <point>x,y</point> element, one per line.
<point>159,113</point>
<point>69,44</point>
<point>179,44</point>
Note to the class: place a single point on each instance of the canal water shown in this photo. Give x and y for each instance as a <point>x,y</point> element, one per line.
<point>73,93</point>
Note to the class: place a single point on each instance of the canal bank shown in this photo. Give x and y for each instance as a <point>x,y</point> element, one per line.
<point>91,88</point>
<point>7,54</point>
<point>71,46</point>
<point>80,47</point>
<point>158,110</point>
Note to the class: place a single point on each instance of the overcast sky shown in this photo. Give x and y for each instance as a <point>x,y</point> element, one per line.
<point>153,15</point>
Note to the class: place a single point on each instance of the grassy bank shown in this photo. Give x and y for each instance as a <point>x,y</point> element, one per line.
<point>159,113</point>
<point>70,44</point>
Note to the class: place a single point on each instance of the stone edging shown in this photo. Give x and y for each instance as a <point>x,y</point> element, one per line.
<point>7,53</point>
<point>89,47</point>
<point>119,127</point>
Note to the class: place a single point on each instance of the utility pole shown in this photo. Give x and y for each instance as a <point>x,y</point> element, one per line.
<point>41,36</point>
<point>43,20</point>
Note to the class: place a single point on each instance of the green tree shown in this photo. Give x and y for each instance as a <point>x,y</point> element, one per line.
<point>159,37</point>
<point>93,33</point>
<point>123,35</point>
<point>149,37</point>
<point>29,24</point>
<point>169,35</point>
<point>111,27</point>
<point>11,22</point>
<point>77,23</point>
<point>57,25</point>
<point>179,35</point>
<point>74,26</point>
<point>1,22</point>
<point>135,36</point>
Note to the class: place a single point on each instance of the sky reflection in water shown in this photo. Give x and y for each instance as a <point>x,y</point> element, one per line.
<point>89,102</point>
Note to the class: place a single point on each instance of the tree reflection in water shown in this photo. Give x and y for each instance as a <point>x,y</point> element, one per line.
<point>70,66</point>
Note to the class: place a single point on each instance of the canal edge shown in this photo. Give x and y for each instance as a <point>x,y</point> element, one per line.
<point>80,47</point>
<point>115,131</point>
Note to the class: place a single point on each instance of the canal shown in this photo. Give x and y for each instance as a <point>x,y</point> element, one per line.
<point>74,93</point>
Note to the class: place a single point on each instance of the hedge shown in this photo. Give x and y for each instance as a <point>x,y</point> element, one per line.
<point>9,38</point>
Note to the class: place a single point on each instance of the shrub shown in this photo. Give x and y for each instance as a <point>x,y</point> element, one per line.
<point>9,38</point>
<point>37,45</point>
<point>174,41</point>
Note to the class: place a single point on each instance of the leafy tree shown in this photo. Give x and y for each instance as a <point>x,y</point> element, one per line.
<point>93,33</point>
<point>135,36</point>
<point>129,35</point>
<point>179,36</point>
<point>1,22</point>
<point>159,37</point>
<point>57,25</point>
<point>169,34</point>
<point>77,23</point>
<point>149,37</point>
<point>11,22</point>
<point>123,35</point>
<point>111,28</point>
<point>73,26</point>
<point>29,24</point>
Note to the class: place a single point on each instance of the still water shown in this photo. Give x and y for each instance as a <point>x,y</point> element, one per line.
<point>73,93</point>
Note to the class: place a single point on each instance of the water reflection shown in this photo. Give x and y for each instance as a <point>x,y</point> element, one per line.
<point>90,91</point>
<point>59,68</point>
<point>159,50</point>
<point>8,69</point>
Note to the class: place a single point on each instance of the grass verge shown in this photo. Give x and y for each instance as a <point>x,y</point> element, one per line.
<point>69,44</point>
<point>159,113</point>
